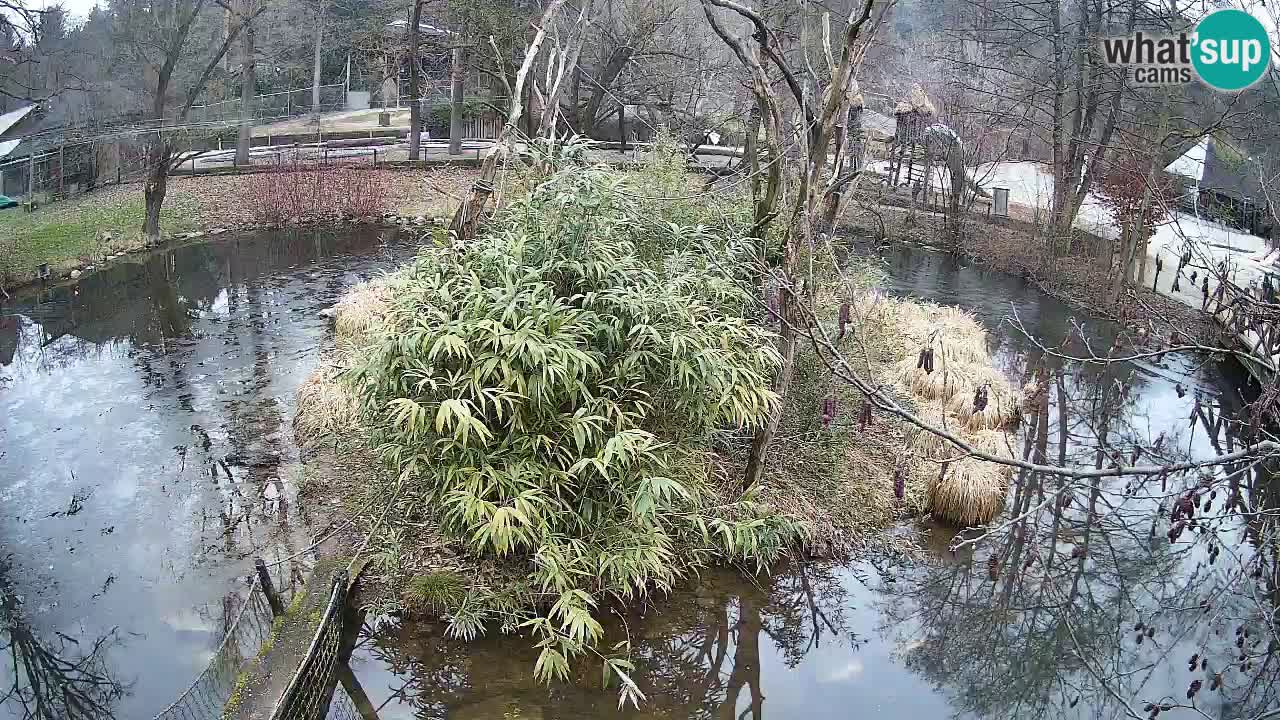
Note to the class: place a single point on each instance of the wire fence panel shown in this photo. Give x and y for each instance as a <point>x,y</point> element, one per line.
<point>209,693</point>
<point>343,707</point>
<point>273,106</point>
<point>309,693</point>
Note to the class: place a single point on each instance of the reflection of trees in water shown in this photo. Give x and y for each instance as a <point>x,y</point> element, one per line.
<point>63,680</point>
<point>1081,604</point>
<point>697,655</point>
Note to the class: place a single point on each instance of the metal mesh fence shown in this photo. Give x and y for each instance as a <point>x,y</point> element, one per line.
<point>343,707</point>
<point>308,694</point>
<point>208,694</point>
<point>273,106</point>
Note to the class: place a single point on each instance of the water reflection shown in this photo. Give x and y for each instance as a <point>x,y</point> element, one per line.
<point>145,447</point>
<point>713,653</point>
<point>62,677</point>
<point>1082,608</point>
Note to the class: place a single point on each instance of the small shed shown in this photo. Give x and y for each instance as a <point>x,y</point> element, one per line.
<point>1222,185</point>
<point>13,172</point>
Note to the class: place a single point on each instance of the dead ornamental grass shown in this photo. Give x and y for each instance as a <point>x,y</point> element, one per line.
<point>361,310</point>
<point>326,407</point>
<point>1002,400</point>
<point>970,491</point>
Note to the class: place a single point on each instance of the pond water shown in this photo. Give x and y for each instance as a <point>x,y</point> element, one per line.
<point>146,457</point>
<point>1039,620</point>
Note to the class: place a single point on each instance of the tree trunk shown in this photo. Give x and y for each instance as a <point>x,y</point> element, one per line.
<point>315,66</point>
<point>457,75</point>
<point>1120,269</point>
<point>1059,222</point>
<point>751,150</point>
<point>1142,262</point>
<point>154,190</point>
<point>415,84</point>
<point>764,436</point>
<point>248,86</point>
<point>603,81</point>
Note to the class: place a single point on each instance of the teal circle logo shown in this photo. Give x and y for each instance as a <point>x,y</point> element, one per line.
<point>1232,50</point>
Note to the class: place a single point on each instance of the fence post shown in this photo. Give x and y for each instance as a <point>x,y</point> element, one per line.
<point>622,126</point>
<point>268,588</point>
<point>62,170</point>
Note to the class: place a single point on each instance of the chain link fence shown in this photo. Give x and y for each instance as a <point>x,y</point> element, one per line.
<point>310,691</point>
<point>205,698</point>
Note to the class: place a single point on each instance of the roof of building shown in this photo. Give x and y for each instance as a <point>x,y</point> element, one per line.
<point>10,119</point>
<point>426,27</point>
<point>1190,164</point>
<point>879,125</point>
<point>1217,166</point>
<point>8,146</point>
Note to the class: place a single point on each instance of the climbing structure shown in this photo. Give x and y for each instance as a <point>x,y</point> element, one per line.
<point>907,151</point>
<point>922,146</point>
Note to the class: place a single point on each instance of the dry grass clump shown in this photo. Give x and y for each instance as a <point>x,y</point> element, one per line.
<point>360,310</point>
<point>1001,406</point>
<point>954,334</point>
<point>944,382</point>
<point>925,446</point>
<point>854,475</point>
<point>326,408</point>
<point>971,491</point>
<point>964,394</point>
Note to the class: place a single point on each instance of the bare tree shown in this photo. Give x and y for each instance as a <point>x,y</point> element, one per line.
<point>470,212</point>
<point>245,9</point>
<point>818,119</point>
<point>315,63</point>
<point>457,89</point>
<point>415,80</point>
<point>159,36</point>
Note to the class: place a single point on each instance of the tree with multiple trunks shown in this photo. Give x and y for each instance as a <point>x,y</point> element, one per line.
<point>162,38</point>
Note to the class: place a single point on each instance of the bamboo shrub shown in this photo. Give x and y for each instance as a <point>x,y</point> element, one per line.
<point>552,393</point>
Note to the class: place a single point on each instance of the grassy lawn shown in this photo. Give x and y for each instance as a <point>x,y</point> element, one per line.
<point>72,233</point>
